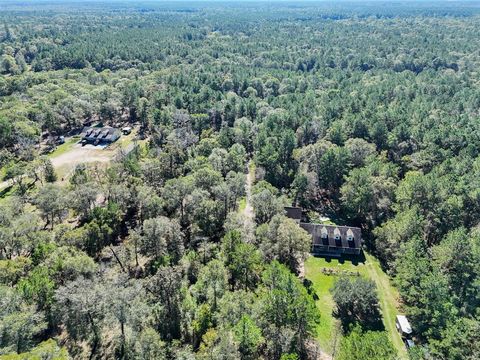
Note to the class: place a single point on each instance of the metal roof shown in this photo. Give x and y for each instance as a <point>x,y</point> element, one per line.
<point>334,235</point>
<point>404,324</point>
<point>293,212</point>
<point>105,133</point>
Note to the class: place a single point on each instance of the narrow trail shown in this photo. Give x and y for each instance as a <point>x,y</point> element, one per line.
<point>248,221</point>
<point>388,305</point>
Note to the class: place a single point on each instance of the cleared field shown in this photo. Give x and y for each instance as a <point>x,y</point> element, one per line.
<point>328,330</point>
<point>66,162</point>
<point>67,156</point>
<point>71,153</point>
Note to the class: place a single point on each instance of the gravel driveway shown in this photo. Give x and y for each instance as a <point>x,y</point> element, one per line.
<point>81,154</point>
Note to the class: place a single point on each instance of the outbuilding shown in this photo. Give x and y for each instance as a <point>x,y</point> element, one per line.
<point>403,326</point>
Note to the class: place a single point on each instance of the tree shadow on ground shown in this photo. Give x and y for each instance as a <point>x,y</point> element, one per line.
<point>353,259</point>
<point>373,322</point>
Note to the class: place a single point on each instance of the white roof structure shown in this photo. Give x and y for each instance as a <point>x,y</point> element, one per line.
<point>405,327</point>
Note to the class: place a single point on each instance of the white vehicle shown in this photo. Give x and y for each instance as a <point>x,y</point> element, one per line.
<point>409,343</point>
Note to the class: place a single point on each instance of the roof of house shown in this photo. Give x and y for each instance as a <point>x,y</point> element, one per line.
<point>334,235</point>
<point>106,133</point>
<point>404,324</point>
<point>293,212</point>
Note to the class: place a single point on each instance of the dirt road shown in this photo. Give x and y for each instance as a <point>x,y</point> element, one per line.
<point>66,162</point>
<point>388,303</point>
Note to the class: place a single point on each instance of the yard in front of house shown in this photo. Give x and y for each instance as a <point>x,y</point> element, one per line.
<point>328,330</point>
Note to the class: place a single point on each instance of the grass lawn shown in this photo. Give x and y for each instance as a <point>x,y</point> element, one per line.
<point>328,330</point>
<point>389,305</point>
<point>65,147</point>
<point>125,141</point>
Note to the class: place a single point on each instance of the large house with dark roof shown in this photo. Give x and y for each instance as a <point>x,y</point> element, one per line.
<point>100,135</point>
<point>333,240</point>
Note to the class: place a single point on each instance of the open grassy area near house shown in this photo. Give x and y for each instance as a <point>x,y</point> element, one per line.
<point>65,147</point>
<point>328,330</point>
<point>125,140</point>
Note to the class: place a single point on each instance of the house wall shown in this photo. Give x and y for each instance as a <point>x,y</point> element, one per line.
<point>326,249</point>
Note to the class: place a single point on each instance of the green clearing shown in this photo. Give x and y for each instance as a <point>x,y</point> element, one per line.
<point>328,332</point>
<point>126,141</point>
<point>65,147</point>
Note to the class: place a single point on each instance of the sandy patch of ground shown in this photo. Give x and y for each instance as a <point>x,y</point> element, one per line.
<point>81,154</point>
<point>65,163</point>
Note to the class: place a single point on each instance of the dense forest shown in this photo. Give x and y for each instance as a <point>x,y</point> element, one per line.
<point>365,114</point>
